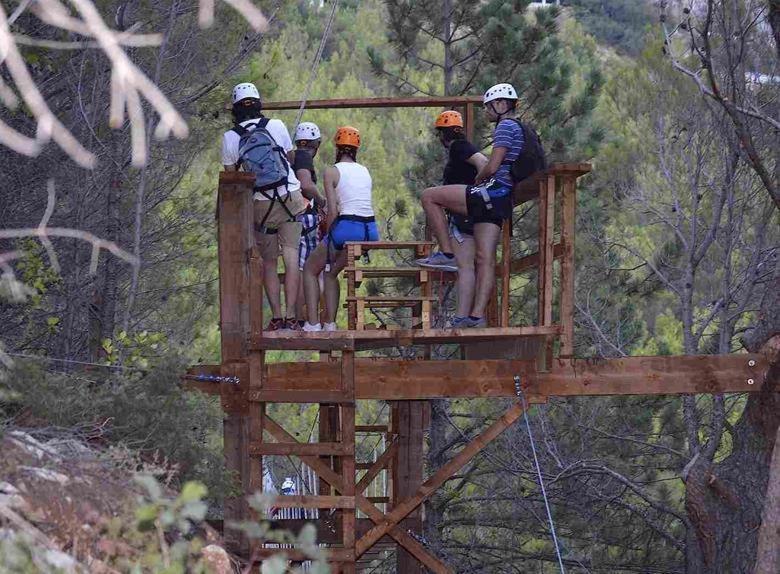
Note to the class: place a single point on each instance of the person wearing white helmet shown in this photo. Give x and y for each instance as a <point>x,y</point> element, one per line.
<point>488,202</point>
<point>275,210</point>
<point>307,143</point>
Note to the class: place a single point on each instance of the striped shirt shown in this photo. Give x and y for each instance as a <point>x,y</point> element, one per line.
<point>508,135</point>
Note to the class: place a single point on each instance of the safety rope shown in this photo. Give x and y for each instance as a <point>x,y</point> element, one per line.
<point>521,397</point>
<point>315,64</point>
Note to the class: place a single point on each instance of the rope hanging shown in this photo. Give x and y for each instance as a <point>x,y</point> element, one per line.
<point>521,396</point>
<point>316,63</point>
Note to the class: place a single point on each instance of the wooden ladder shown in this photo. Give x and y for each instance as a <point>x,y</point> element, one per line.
<point>357,304</point>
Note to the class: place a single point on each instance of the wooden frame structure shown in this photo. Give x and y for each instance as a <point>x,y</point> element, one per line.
<point>493,356</point>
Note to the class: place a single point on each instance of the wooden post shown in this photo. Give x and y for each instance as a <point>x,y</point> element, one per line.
<point>546,239</point>
<point>234,211</point>
<point>256,369</point>
<point>506,252</point>
<point>468,122</point>
<point>408,471</point>
<point>348,462</point>
<point>568,211</point>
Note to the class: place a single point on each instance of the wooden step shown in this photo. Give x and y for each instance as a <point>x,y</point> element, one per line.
<point>321,501</point>
<point>384,302</point>
<point>331,554</point>
<point>300,396</point>
<point>371,272</point>
<point>390,244</point>
<point>301,449</point>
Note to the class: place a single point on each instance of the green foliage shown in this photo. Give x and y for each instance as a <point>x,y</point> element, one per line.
<point>147,411</point>
<point>619,23</point>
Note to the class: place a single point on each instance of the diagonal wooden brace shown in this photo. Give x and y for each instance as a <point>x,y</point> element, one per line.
<point>440,477</point>
<point>362,503</point>
<point>377,467</point>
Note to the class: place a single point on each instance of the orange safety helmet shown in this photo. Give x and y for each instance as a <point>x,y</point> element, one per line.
<point>347,135</point>
<point>449,119</point>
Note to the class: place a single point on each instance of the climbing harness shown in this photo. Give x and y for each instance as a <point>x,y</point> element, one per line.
<point>521,398</point>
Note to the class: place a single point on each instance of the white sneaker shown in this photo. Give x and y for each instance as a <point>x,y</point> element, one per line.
<point>329,327</point>
<point>309,328</point>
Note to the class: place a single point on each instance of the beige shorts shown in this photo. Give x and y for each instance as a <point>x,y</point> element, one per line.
<point>282,233</point>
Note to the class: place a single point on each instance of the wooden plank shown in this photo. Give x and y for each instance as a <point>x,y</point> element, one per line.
<point>324,472</point>
<point>362,340</point>
<point>331,554</point>
<point>409,471</point>
<point>378,499</point>
<point>377,466</point>
<point>528,189</point>
<point>390,379</point>
<point>393,102</point>
<point>465,455</point>
<point>255,299</point>
<point>506,256</point>
<point>305,501</point>
<point>298,396</point>
<point>532,261</point>
<point>348,438</point>
<point>546,241</point>
<point>568,218</point>
<point>310,449</point>
<point>372,428</point>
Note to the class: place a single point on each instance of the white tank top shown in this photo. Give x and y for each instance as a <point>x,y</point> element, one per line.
<point>354,189</point>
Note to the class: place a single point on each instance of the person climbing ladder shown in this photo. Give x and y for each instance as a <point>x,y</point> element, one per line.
<point>350,217</point>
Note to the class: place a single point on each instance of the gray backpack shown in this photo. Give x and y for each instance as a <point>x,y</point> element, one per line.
<point>259,153</point>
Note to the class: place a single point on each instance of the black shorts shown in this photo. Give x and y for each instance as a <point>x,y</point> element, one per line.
<point>500,211</point>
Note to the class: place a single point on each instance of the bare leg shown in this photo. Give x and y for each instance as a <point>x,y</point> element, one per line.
<point>332,288</point>
<point>434,201</point>
<point>292,279</point>
<point>465,285</point>
<point>311,284</point>
<point>269,251</point>
<point>486,241</point>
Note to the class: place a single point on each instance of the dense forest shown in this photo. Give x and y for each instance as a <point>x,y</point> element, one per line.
<point>676,105</point>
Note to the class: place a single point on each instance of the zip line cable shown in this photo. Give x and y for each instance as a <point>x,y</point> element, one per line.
<point>316,64</point>
<point>521,396</point>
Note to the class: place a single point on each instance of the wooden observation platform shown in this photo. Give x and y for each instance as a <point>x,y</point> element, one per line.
<point>541,354</point>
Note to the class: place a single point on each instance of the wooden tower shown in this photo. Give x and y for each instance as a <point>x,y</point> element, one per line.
<point>541,354</point>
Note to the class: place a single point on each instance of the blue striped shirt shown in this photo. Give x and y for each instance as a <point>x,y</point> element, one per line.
<point>508,135</point>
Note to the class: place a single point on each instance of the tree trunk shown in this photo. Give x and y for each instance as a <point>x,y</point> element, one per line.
<point>768,556</point>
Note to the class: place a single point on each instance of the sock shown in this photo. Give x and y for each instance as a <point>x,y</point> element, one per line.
<point>446,254</point>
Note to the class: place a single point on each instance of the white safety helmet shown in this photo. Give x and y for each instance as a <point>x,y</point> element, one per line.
<point>500,92</point>
<point>307,131</point>
<point>245,90</point>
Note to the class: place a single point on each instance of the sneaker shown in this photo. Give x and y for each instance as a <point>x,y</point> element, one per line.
<point>459,323</point>
<point>330,327</point>
<point>309,328</point>
<point>438,261</point>
<point>292,325</point>
<point>276,325</point>
<point>478,323</point>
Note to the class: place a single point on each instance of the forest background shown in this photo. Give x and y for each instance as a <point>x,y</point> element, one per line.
<point>677,251</point>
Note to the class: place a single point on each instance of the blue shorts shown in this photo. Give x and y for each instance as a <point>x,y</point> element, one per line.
<point>497,210</point>
<point>352,228</point>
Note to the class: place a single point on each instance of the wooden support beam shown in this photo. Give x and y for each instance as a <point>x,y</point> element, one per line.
<point>296,396</point>
<point>324,472</point>
<point>331,554</point>
<point>546,242</point>
<point>304,501</point>
<point>568,214</point>
<point>506,257</point>
<point>395,102</point>
<point>309,448</point>
<point>389,379</point>
<point>532,261</point>
<point>375,468</point>
<point>465,455</point>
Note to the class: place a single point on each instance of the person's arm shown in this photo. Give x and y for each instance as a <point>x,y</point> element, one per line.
<point>308,187</point>
<point>331,180</point>
<point>478,160</point>
<point>491,167</point>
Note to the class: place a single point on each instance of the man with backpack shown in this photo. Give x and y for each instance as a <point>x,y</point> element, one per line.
<point>262,146</point>
<point>517,153</point>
